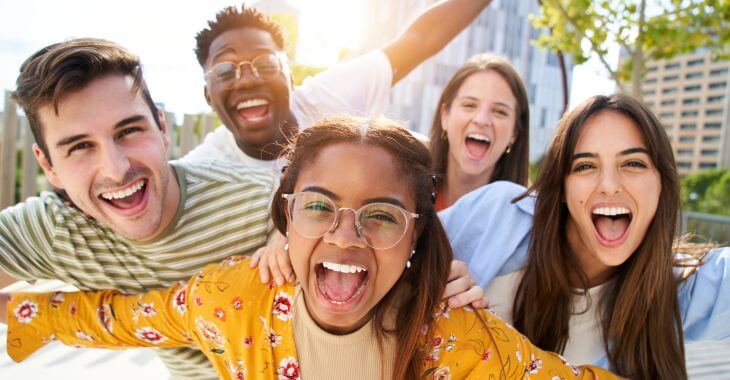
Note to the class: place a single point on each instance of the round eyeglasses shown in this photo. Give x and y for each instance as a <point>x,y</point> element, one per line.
<point>264,67</point>
<point>379,225</point>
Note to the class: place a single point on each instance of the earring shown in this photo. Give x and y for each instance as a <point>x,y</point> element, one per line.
<point>509,149</point>
<point>443,134</point>
<point>408,263</point>
<point>286,245</point>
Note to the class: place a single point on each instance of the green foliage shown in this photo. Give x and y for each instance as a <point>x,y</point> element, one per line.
<point>299,72</point>
<point>585,27</point>
<point>711,189</point>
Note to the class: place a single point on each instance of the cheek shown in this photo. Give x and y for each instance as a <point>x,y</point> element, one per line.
<point>300,253</point>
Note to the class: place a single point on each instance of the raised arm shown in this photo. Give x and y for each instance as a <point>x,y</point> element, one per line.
<point>430,32</point>
<point>105,319</point>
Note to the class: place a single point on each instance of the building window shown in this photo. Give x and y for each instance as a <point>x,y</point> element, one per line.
<point>694,87</point>
<point>697,74</point>
<point>671,78</point>
<point>715,98</point>
<point>691,101</point>
<point>684,152</point>
<point>670,90</point>
<point>712,125</point>
<point>666,115</point>
<point>686,139</point>
<point>713,112</point>
<point>718,72</point>
<point>689,127</point>
<point>650,81</point>
<point>718,85</point>
<point>669,102</point>
<point>649,92</point>
<point>710,138</point>
<point>684,165</point>
<point>709,152</point>
<point>543,117</point>
<point>652,69</point>
<point>689,113</point>
<point>695,62</point>
<point>708,165</point>
<point>671,66</point>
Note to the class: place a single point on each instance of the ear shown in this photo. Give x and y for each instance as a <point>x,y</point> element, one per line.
<point>444,113</point>
<point>206,94</point>
<point>163,128</point>
<point>43,161</point>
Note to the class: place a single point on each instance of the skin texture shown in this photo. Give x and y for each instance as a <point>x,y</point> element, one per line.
<point>609,175</point>
<point>261,138</point>
<point>112,142</point>
<point>345,172</point>
<point>484,105</point>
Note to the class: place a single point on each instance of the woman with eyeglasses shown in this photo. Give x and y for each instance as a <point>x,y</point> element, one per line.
<point>604,281</point>
<point>371,260</point>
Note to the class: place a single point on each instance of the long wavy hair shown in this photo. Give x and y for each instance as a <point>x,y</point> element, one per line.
<point>428,274</point>
<point>642,327</point>
<point>512,167</point>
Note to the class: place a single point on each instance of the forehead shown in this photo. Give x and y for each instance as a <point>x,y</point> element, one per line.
<point>356,172</point>
<point>242,43</point>
<point>487,83</point>
<point>609,126</point>
<point>95,108</point>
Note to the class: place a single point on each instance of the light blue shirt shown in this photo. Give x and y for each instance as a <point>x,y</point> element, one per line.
<point>491,234</point>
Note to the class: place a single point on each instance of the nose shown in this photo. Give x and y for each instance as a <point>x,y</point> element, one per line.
<point>113,162</point>
<point>247,78</point>
<point>609,181</point>
<point>344,233</point>
<point>483,116</point>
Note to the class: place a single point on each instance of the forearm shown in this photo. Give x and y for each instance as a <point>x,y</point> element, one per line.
<point>430,32</point>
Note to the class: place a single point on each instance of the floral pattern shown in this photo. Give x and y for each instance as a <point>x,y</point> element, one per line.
<point>255,338</point>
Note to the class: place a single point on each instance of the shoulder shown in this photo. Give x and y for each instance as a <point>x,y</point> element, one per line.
<point>492,199</point>
<point>224,173</point>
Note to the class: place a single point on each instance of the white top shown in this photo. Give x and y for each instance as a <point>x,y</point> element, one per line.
<point>585,344</point>
<point>358,87</point>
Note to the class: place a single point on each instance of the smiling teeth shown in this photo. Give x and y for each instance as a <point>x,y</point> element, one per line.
<point>343,268</point>
<point>123,193</point>
<point>252,103</point>
<point>479,138</point>
<point>611,211</point>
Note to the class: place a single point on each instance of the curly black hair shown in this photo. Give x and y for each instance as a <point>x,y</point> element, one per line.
<point>231,18</point>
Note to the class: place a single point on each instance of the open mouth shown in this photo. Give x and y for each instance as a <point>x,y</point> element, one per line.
<point>253,110</point>
<point>477,145</point>
<point>611,224</point>
<point>127,198</point>
<point>340,284</point>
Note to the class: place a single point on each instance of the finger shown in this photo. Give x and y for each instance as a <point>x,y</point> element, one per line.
<point>481,303</point>
<point>458,269</point>
<point>282,258</point>
<point>264,273</point>
<point>465,298</point>
<point>459,285</point>
<point>274,266</point>
<point>256,257</point>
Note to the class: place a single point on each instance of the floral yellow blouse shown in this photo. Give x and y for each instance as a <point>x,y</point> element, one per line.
<point>245,329</point>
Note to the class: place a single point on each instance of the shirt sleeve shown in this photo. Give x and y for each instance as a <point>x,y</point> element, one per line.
<point>26,234</point>
<point>477,345</point>
<point>359,87</point>
<point>705,299</point>
<point>105,319</point>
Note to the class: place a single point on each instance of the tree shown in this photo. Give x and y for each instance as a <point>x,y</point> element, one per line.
<point>707,191</point>
<point>585,27</point>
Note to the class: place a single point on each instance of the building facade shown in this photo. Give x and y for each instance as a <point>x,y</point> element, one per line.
<point>502,29</point>
<point>689,95</point>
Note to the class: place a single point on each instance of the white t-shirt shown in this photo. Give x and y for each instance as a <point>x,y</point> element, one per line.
<point>585,344</point>
<point>358,87</point>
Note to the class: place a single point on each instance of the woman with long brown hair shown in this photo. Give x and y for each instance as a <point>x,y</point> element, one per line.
<point>371,258</point>
<point>604,282</point>
<point>480,131</point>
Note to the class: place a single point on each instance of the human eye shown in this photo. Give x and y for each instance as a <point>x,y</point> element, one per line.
<point>380,214</point>
<point>266,64</point>
<point>582,166</point>
<point>636,164</point>
<point>78,147</point>
<point>501,112</point>
<point>224,70</point>
<point>127,131</point>
<point>317,206</point>
<point>469,105</point>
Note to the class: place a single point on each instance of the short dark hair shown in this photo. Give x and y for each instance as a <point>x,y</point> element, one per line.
<point>62,68</point>
<point>231,18</point>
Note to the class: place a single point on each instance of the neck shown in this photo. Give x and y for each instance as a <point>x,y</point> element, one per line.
<point>459,183</point>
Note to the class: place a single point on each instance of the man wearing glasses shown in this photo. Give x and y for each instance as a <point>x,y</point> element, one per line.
<point>248,82</point>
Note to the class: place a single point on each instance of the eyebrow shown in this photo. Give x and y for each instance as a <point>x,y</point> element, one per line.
<point>122,123</point>
<point>621,153</point>
<point>503,104</point>
<point>322,190</point>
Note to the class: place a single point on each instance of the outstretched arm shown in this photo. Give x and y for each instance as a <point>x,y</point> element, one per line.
<point>429,33</point>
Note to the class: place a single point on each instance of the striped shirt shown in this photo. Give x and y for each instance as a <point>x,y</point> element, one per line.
<point>223,211</point>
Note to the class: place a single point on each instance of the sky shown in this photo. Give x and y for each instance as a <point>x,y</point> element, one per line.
<point>162,33</point>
